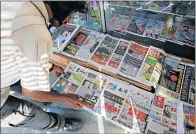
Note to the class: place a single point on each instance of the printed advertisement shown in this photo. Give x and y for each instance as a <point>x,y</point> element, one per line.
<point>119,22</point>
<point>189,119</point>
<point>90,45</point>
<point>172,75</point>
<point>150,70</point>
<point>104,51</point>
<point>185,34</point>
<point>137,25</point>
<point>188,86</point>
<point>118,54</point>
<point>92,88</point>
<point>74,46</point>
<point>153,28</point>
<point>133,60</point>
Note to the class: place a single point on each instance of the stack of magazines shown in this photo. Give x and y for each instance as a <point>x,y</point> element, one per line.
<point>169,110</point>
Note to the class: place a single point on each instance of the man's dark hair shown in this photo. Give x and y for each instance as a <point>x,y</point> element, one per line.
<point>61,9</point>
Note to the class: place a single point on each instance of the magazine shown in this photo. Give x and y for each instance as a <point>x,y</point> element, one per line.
<point>191,9</point>
<point>150,71</point>
<point>136,26</point>
<point>180,8</point>
<point>118,54</point>
<point>153,28</point>
<point>64,34</point>
<point>163,6</point>
<point>172,75</point>
<point>89,46</point>
<point>136,109</point>
<point>186,119</point>
<point>119,22</point>
<point>188,86</point>
<point>91,88</point>
<point>185,34</point>
<point>73,47</point>
<point>133,60</point>
<point>104,51</point>
<point>169,29</point>
<point>112,99</point>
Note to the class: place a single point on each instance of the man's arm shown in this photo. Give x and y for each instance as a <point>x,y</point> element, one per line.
<point>70,100</point>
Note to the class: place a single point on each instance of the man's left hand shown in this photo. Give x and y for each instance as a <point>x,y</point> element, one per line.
<point>57,70</point>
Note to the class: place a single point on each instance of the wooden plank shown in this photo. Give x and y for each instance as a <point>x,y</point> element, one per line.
<point>63,61</point>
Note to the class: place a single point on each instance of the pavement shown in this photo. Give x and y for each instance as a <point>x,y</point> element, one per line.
<point>93,123</point>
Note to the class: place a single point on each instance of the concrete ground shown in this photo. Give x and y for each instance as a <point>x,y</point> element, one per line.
<point>92,123</point>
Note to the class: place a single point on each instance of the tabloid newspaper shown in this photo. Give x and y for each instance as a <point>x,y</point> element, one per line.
<point>89,46</point>
<point>150,71</point>
<point>135,111</point>
<point>186,119</point>
<point>163,113</point>
<point>74,46</point>
<point>112,99</point>
<point>133,60</point>
<point>119,22</point>
<point>118,55</point>
<point>104,51</point>
<point>62,35</point>
<point>137,26</point>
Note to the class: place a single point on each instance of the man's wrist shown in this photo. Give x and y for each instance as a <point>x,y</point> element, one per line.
<point>51,67</point>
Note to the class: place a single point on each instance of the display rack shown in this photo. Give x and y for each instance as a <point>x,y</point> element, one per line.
<point>172,47</point>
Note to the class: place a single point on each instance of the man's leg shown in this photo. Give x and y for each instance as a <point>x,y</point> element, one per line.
<point>21,113</point>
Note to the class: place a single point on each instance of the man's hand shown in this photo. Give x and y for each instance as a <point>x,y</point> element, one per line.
<point>57,70</point>
<point>73,101</point>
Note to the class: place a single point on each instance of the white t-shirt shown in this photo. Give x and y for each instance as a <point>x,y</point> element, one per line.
<point>26,46</point>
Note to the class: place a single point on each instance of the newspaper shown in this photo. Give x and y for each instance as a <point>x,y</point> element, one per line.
<point>133,60</point>
<point>185,34</point>
<point>104,51</point>
<point>62,35</point>
<point>172,75</point>
<point>89,46</point>
<point>74,46</point>
<point>118,54</point>
<point>136,109</point>
<point>186,119</point>
<point>188,86</point>
<point>119,22</point>
<point>91,88</point>
<point>163,113</point>
<point>71,80</point>
<point>153,29</point>
<point>137,26</point>
<point>112,99</point>
<point>150,71</point>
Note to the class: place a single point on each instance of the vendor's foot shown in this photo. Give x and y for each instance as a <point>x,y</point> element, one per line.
<point>72,125</point>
